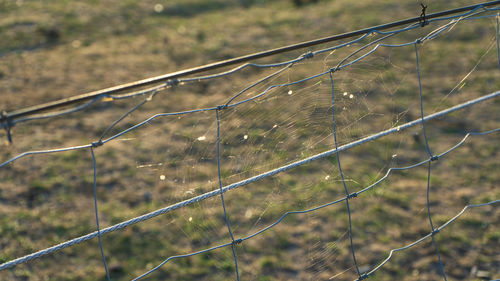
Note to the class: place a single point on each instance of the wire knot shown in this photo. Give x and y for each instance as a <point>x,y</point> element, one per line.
<point>97,143</point>
<point>434,158</point>
<point>6,121</point>
<point>221,107</point>
<point>333,69</point>
<point>418,41</point>
<point>237,241</point>
<point>7,124</point>
<point>363,276</point>
<point>423,21</point>
<point>173,82</point>
<point>435,231</point>
<point>352,195</point>
<point>308,55</point>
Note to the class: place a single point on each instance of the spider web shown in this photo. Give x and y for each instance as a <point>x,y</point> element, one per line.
<point>277,121</point>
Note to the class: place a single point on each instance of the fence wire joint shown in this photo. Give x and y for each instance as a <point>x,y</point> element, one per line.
<point>352,195</point>
<point>7,124</point>
<point>221,107</point>
<point>172,82</point>
<point>363,277</point>
<point>97,143</point>
<point>308,55</point>
<point>423,20</point>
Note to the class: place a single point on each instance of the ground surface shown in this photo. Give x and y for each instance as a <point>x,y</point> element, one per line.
<point>56,49</point>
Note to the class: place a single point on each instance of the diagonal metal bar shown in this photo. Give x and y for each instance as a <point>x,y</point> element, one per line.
<point>170,77</point>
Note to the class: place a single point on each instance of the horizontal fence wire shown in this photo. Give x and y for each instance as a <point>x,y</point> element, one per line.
<point>8,118</point>
<point>469,13</point>
<point>252,179</point>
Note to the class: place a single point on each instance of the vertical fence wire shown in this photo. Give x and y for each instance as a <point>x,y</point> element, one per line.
<point>96,209</point>
<point>226,217</point>
<point>431,157</point>
<point>348,195</point>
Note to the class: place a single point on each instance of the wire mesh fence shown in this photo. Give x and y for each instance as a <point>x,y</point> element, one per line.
<point>299,119</point>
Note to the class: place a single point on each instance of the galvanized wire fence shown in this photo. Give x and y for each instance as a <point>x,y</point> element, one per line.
<point>234,241</point>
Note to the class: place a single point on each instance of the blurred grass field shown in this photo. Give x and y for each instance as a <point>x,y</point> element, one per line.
<point>55,49</point>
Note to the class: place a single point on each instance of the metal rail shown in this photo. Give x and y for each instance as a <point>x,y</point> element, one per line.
<point>7,117</point>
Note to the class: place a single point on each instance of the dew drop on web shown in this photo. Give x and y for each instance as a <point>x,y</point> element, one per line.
<point>158,8</point>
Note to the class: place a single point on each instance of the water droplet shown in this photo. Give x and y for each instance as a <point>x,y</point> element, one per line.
<point>245,137</point>
<point>351,96</point>
<point>290,92</point>
<point>275,126</point>
<point>248,213</point>
<point>190,219</point>
<point>76,43</point>
<point>202,138</point>
<point>345,94</point>
<point>162,177</point>
<point>398,128</point>
<point>327,177</point>
<point>394,155</point>
<point>158,8</point>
